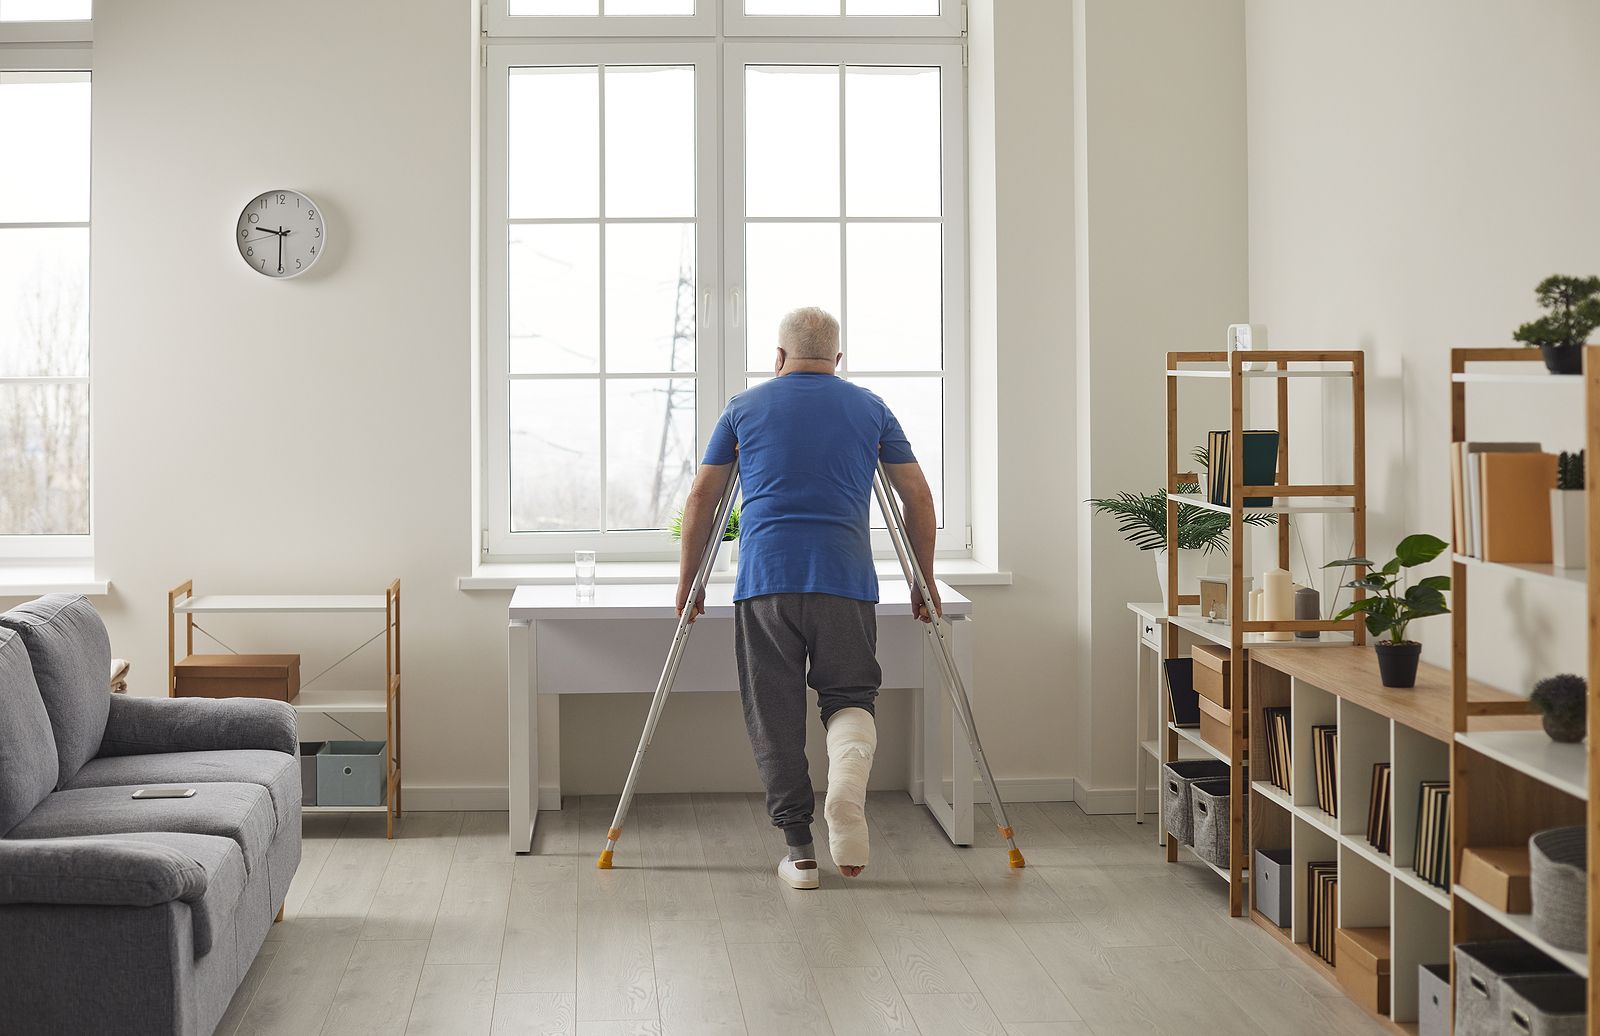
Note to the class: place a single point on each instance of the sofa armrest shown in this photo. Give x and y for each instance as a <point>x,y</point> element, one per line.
<point>142,726</point>
<point>96,872</point>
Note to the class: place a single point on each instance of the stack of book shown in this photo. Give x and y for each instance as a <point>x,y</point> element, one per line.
<point>1433,833</point>
<point>1260,466</point>
<point>1501,497</point>
<point>1322,910</point>
<point>1378,819</point>
<point>1325,754</point>
<point>1275,728</point>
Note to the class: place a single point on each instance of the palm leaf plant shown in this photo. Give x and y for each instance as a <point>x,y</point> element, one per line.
<point>731,533</point>
<point>1142,517</point>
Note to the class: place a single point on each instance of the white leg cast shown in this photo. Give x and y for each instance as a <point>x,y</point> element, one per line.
<point>852,741</point>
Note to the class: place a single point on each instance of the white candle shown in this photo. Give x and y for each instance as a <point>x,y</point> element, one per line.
<point>1255,604</point>
<point>1277,602</point>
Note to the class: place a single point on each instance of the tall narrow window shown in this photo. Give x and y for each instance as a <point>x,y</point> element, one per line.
<point>44,313</point>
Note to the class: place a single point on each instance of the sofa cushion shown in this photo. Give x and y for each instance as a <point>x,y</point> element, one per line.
<point>71,656</point>
<point>274,771</point>
<point>241,812</point>
<point>28,764</point>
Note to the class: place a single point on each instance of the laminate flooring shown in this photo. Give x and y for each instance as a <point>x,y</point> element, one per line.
<point>442,930</point>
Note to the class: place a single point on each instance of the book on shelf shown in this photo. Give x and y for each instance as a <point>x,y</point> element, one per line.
<point>1433,833</point>
<point>1515,501</point>
<point>1322,907</point>
<point>1275,734</point>
<point>1325,756</point>
<point>1260,466</point>
<point>1467,493</point>
<point>1378,817</point>
<point>1182,696</point>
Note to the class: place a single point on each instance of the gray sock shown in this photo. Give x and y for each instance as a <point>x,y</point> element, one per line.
<point>802,852</point>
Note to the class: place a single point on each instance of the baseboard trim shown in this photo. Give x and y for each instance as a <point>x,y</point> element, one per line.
<point>1101,801</point>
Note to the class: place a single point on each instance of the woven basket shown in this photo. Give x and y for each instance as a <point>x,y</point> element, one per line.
<point>1558,861</point>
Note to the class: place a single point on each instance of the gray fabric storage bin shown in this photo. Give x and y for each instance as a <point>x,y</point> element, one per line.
<point>351,773</point>
<point>1480,969</point>
<point>1271,875</point>
<point>1177,808</point>
<point>1211,827</point>
<point>308,771</point>
<point>1558,876</point>
<point>1543,1005</point>
<point>1433,1000</point>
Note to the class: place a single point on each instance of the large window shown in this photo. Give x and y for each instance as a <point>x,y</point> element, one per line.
<point>655,206</point>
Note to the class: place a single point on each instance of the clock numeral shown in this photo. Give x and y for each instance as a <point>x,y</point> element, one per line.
<point>253,219</point>
<point>313,249</point>
<point>244,232</point>
<point>283,199</point>
<point>297,264</point>
<point>250,251</point>
<point>316,231</point>
<point>311,214</point>
<point>263,264</point>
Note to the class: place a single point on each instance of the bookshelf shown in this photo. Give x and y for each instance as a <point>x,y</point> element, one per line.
<point>1241,633</point>
<point>1508,779</point>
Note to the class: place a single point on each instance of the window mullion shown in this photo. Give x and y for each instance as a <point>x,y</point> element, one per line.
<point>601,293</point>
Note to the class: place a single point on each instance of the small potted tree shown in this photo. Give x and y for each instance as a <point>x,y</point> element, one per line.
<point>1391,606</point>
<point>729,535</point>
<point>1567,512</point>
<point>1573,311</point>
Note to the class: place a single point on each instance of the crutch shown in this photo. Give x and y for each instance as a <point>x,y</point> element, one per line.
<point>669,672</point>
<point>952,676</point>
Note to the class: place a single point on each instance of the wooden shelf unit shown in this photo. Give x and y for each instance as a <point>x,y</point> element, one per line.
<point>1280,367</point>
<point>1508,784</point>
<point>181,600</point>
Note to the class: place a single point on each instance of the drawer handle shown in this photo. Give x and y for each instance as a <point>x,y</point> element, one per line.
<point>1479,986</point>
<point>348,771</point>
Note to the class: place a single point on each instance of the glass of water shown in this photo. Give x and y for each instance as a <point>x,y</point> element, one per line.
<point>583,571</point>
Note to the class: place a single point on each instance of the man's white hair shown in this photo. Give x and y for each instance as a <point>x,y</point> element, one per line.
<point>809,333</point>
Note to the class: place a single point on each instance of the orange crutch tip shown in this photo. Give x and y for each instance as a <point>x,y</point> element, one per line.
<point>604,862</point>
<point>1016,858</point>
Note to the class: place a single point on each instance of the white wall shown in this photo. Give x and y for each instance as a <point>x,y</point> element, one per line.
<point>1415,169</point>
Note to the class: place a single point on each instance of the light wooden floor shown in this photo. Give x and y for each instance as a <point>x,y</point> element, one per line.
<point>443,931</point>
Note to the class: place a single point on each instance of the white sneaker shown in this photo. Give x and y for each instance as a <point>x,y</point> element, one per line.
<point>799,874</point>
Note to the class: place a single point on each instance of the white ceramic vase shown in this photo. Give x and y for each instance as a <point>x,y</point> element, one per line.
<point>1567,528</point>
<point>1191,566</point>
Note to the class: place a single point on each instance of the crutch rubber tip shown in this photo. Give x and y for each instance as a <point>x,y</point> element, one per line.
<point>1016,859</point>
<point>604,862</point>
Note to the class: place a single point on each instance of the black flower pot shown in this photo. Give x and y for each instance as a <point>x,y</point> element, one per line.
<point>1562,359</point>
<point>1397,663</point>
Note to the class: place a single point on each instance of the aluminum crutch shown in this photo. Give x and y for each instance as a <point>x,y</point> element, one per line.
<point>669,672</point>
<point>947,662</point>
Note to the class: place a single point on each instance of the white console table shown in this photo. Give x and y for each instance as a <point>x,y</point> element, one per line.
<point>617,642</point>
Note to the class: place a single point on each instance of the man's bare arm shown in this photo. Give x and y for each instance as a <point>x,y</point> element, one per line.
<point>698,514</point>
<point>916,504</point>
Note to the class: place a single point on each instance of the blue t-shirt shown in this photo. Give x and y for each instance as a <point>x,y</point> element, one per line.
<point>808,448</point>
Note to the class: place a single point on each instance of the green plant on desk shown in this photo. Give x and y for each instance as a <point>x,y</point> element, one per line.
<point>731,533</point>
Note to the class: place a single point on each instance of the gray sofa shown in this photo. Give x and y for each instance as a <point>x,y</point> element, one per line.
<point>120,915</point>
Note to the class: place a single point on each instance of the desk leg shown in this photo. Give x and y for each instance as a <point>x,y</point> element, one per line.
<point>1139,722</point>
<point>962,769</point>
<point>522,736</point>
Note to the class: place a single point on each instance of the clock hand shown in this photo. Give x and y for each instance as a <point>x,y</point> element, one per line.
<point>280,249</point>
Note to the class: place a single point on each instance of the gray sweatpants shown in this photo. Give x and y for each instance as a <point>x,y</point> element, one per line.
<point>775,636</point>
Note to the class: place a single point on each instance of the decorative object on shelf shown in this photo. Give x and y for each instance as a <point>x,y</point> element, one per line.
<point>1433,1000</point>
<point>1482,969</point>
<point>1177,801</point>
<point>1559,859</point>
<point>1307,606</point>
<point>1432,852</point>
<point>1466,471</point>
<point>1244,338</point>
<point>1209,799</point>
<point>1363,966</point>
<point>1322,907</point>
<point>1142,521</point>
<point>1278,737</point>
<point>1277,601</point>
<point>1274,888</point>
<point>1378,809</point>
<point>1184,699</point>
<point>1514,507</point>
<point>1215,602</point>
<point>1325,759</point>
<point>1564,701</point>
<point>1567,513</point>
<point>1500,875</point>
<point>238,676</point>
<point>1260,466</point>
<point>1544,1005</point>
<point>724,558</point>
<point>1573,305</point>
<point>1390,608</point>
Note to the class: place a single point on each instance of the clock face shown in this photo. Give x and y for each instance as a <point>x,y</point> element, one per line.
<point>281,234</point>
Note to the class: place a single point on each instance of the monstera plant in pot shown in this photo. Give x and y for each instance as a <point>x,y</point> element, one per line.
<point>1390,605</point>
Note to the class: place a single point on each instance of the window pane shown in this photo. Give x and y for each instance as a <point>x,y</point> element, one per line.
<point>891,124</point>
<point>44,302</point>
<point>919,404</point>
<point>787,265</point>
<point>791,140</point>
<point>650,450</point>
<point>555,455</point>
<point>554,280</point>
<point>671,7</point>
<point>44,10</point>
<point>791,7</point>
<point>650,297</point>
<point>891,7</point>
<point>649,141</point>
<point>44,123</point>
<point>895,279</point>
<point>44,460</point>
<point>578,8</point>
<point>554,142</point>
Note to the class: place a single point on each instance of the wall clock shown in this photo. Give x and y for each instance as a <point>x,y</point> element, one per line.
<point>281,233</point>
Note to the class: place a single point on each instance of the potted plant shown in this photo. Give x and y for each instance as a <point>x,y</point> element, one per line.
<point>1567,512</point>
<point>1142,521</point>
<point>1564,701</point>
<point>1573,305</point>
<point>1391,606</point>
<point>729,535</point>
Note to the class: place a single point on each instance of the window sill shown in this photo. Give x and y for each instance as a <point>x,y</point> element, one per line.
<point>506,576</point>
<point>30,579</point>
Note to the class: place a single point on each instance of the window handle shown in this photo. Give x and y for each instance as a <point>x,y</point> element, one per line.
<point>735,312</point>
<point>705,310</point>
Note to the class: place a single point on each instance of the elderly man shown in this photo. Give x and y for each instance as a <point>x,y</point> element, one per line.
<point>808,444</point>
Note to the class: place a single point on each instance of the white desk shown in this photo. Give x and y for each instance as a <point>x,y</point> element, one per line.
<point>617,643</point>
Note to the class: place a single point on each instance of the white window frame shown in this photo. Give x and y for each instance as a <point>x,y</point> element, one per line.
<point>502,543</point>
<point>950,23</point>
<point>61,58</point>
<point>499,21</point>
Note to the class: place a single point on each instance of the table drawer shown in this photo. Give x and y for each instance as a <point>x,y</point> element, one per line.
<point>1150,632</point>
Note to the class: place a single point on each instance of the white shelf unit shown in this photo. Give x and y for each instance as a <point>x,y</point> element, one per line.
<point>1509,378</point>
<point>1222,374</point>
<point>1302,505</point>
<point>384,701</point>
<point>1577,578</point>
<point>1191,736</point>
<point>1221,633</point>
<point>1564,767</point>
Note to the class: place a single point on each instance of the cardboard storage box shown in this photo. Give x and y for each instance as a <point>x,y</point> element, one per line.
<point>1500,875</point>
<point>1215,724</point>
<point>1211,674</point>
<point>1363,966</point>
<point>239,676</point>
